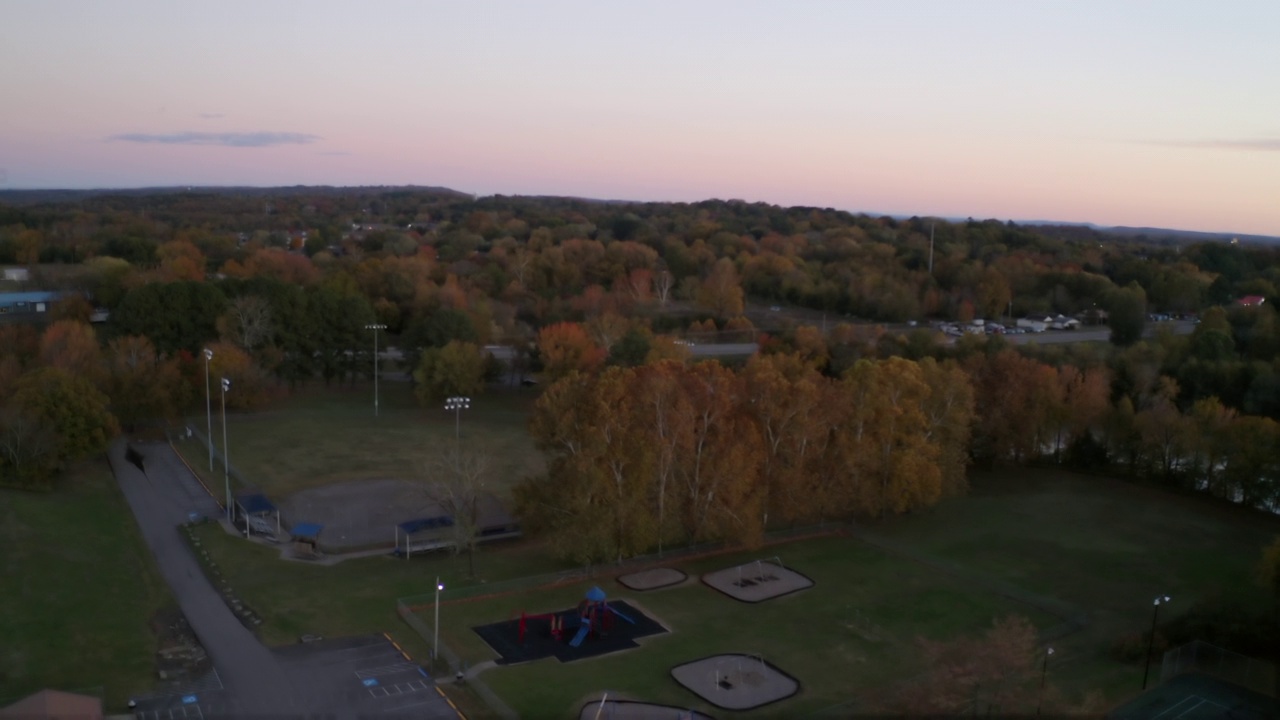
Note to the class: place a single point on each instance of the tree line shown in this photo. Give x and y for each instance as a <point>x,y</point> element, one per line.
<point>670,452</point>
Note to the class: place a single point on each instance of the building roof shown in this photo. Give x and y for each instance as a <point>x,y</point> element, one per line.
<point>34,296</point>
<point>1251,300</point>
<point>55,705</point>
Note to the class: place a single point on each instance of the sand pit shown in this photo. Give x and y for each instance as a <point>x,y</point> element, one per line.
<point>757,581</point>
<point>652,579</point>
<point>629,710</point>
<point>736,682</point>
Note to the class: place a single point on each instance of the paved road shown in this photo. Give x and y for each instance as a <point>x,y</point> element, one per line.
<point>161,499</point>
<point>256,682</point>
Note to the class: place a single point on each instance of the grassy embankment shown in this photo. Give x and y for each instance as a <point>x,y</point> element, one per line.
<point>80,591</point>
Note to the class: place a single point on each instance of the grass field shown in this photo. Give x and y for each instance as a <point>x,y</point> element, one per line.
<point>80,590</point>
<point>320,436</point>
<point>1101,544</point>
<point>812,635</point>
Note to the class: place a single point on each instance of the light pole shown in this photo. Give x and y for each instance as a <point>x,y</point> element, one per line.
<point>1155,613</point>
<point>1044,670</point>
<point>375,328</point>
<point>226,460</point>
<point>435,645</point>
<point>208,407</point>
<point>457,405</point>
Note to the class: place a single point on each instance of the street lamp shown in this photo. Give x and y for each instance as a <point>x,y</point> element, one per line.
<point>435,646</point>
<point>457,405</point>
<point>226,459</point>
<point>208,407</point>
<point>1155,613</point>
<point>1044,670</point>
<point>375,328</point>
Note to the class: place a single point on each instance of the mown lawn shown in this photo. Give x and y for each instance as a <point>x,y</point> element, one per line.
<point>323,435</point>
<point>814,634</point>
<point>79,591</point>
<point>1102,544</point>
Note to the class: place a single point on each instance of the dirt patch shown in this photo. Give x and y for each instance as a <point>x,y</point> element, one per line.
<point>757,581</point>
<point>652,579</point>
<point>736,682</point>
<point>365,513</point>
<point>179,655</point>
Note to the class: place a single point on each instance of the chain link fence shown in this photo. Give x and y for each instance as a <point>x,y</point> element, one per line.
<point>1202,657</point>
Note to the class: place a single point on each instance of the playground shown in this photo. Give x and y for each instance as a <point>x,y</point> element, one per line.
<point>652,579</point>
<point>597,626</point>
<point>757,581</point>
<point>736,682</point>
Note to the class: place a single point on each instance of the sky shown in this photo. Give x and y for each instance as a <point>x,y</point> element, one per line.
<point>1162,114</point>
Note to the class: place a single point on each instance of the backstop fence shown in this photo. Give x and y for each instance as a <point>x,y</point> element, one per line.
<point>1201,657</point>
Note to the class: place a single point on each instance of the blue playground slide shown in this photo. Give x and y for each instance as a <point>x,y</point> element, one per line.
<point>624,617</point>
<point>583,629</point>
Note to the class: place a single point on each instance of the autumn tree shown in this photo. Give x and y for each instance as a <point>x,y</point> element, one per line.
<point>72,346</point>
<point>69,407</point>
<point>458,368</point>
<point>949,415</point>
<point>251,388</point>
<point>566,347</point>
<point>995,673</point>
<point>721,291</point>
<point>784,398</point>
<point>28,449</point>
<point>141,384</point>
<point>180,260</point>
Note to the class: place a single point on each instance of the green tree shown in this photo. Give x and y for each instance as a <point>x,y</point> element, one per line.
<point>1127,313</point>
<point>458,368</point>
<point>175,316</point>
<point>72,408</point>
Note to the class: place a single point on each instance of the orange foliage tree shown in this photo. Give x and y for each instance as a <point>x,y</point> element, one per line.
<point>566,347</point>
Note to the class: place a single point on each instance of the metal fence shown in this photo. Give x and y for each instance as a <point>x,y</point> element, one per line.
<point>1202,657</point>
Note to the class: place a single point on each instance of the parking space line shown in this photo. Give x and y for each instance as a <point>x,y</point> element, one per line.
<point>386,670</point>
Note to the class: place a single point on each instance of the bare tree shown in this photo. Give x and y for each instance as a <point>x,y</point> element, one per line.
<point>27,447</point>
<point>454,480</point>
<point>249,321</point>
<point>662,285</point>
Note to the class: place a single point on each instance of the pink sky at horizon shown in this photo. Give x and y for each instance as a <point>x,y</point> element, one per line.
<point>1139,114</point>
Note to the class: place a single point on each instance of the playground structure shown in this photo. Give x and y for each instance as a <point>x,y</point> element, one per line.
<point>594,616</point>
<point>758,580</point>
<point>594,627</point>
<point>735,681</point>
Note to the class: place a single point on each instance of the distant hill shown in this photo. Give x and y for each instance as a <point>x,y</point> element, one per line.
<point>1156,234</point>
<point>38,197</point>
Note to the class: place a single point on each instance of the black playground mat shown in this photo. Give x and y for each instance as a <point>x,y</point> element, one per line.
<point>504,637</point>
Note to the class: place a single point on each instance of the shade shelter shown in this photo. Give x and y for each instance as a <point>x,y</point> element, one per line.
<point>258,513</point>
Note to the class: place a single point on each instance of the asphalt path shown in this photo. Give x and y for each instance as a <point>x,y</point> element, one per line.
<point>161,499</point>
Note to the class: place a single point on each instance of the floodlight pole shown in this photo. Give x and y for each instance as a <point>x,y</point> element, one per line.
<point>1044,670</point>
<point>1155,613</point>
<point>208,407</point>
<point>457,405</point>
<point>226,459</point>
<point>435,645</point>
<point>375,328</point>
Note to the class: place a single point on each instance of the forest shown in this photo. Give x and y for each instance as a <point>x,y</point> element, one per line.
<point>861,415</point>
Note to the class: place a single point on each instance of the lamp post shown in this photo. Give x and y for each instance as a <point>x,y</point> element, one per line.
<point>1155,613</point>
<point>375,328</point>
<point>1044,670</point>
<point>435,645</point>
<point>457,405</point>
<point>208,407</point>
<point>226,460</point>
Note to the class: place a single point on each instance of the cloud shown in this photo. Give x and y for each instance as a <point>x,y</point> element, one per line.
<point>211,116</point>
<point>1257,144</point>
<point>229,139</point>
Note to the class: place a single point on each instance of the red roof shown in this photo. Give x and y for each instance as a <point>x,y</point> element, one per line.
<point>1251,300</point>
<point>55,705</point>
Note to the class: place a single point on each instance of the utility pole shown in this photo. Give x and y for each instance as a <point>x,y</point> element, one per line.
<point>930,249</point>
